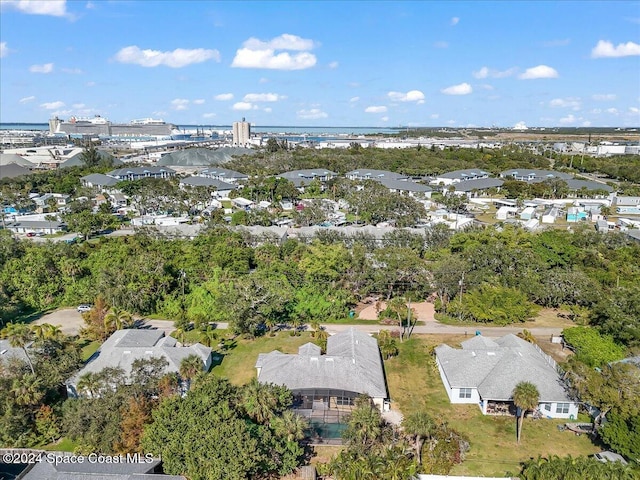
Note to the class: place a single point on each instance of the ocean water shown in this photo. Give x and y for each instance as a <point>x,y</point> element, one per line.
<point>276,130</point>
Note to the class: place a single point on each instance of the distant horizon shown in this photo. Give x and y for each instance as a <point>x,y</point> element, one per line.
<point>415,64</point>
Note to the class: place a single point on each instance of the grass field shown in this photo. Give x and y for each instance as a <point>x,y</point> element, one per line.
<point>238,362</point>
<point>546,317</point>
<point>88,348</point>
<point>414,384</point>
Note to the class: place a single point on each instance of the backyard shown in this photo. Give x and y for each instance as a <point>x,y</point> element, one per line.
<point>414,384</point>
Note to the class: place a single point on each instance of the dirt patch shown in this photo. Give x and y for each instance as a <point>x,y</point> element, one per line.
<point>554,350</point>
<point>424,311</point>
<point>68,319</point>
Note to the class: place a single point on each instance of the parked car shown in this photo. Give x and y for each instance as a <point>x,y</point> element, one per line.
<point>84,307</point>
<point>31,234</point>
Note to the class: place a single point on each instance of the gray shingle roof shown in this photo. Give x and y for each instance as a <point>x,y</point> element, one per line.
<point>496,367</point>
<point>7,351</point>
<point>197,181</point>
<point>574,184</point>
<point>464,174</point>
<point>125,346</point>
<point>100,180</point>
<point>374,174</point>
<point>478,184</point>
<point>88,470</point>
<point>223,172</point>
<point>404,185</point>
<point>536,175</point>
<point>13,170</point>
<point>352,363</point>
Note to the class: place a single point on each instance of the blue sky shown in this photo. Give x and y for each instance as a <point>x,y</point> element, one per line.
<point>363,63</point>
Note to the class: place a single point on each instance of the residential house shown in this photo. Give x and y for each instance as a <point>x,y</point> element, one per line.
<point>533,176</point>
<point>506,212</point>
<point>576,186</point>
<point>478,186</point>
<point>122,348</point>
<point>98,181</point>
<point>486,372</point>
<point>576,214</point>
<point>325,387</point>
<point>222,189</point>
<point>302,178</point>
<point>626,205</point>
<point>369,174</point>
<point>242,203</point>
<point>407,187</point>
<point>46,227</point>
<point>138,173</point>
<point>223,174</point>
<point>458,176</point>
<point>528,213</point>
<point>133,466</point>
<point>551,214</point>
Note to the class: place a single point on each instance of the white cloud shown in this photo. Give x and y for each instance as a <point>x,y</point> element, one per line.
<point>486,86</point>
<point>91,84</point>
<point>198,101</point>
<point>540,71</point>
<point>486,72</point>
<point>605,49</point>
<point>180,103</point>
<point>52,105</point>
<point>462,89</point>
<point>208,115</point>
<point>441,44</point>
<point>313,114</point>
<point>354,99</point>
<point>586,123</point>
<point>435,116</point>
<point>376,109</point>
<point>569,119</point>
<point>244,106</point>
<point>90,5</point>
<point>222,97</point>
<point>604,96</point>
<point>4,50</point>
<point>44,68</point>
<point>55,8</point>
<point>596,111</point>
<point>570,102</point>
<point>72,71</point>
<point>384,119</point>
<point>246,58</point>
<point>263,97</point>
<point>612,111</point>
<point>27,99</point>
<point>455,21</point>
<point>285,41</point>
<point>410,96</point>
<point>520,126</point>
<point>634,109</point>
<point>178,58</point>
<point>78,106</point>
<point>259,54</point>
<point>267,109</point>
<point>263,80</point>
<point>334,65</point>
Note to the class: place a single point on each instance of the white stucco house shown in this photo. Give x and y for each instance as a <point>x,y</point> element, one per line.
<point>485,372</point>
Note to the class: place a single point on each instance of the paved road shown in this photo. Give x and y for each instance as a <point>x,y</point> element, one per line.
<point>71,321</point>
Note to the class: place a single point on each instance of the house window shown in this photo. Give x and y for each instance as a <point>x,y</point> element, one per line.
<point>465,393</point>
<point>547,407</point>
<point>562,408</point>
<point>344,401</point>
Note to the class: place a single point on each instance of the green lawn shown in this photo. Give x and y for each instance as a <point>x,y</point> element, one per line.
<point>88,349</point>
<point>238,362</point>
<point>63,445</point>
<point>414,384</point>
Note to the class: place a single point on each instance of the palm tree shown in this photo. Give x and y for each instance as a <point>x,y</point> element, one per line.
<point>259,401</point>
<point>290,425</point>
<point>421,426</point>
<point>117,319</point>
<point>190,367</point>
<point>209,336</point>
<point>168,385</point>
<point>27,390</point>
<point>525,397</point>
<point>20,336</point>
<point>527,336</point>
<point>90,383</point>
<point>315,326</point>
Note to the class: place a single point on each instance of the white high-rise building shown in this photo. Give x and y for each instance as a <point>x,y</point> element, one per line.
<point>241,133</point>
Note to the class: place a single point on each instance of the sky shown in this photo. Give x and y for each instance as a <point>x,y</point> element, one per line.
<point>323,63</point>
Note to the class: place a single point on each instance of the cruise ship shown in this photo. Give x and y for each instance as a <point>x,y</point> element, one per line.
<point>100,126</point>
